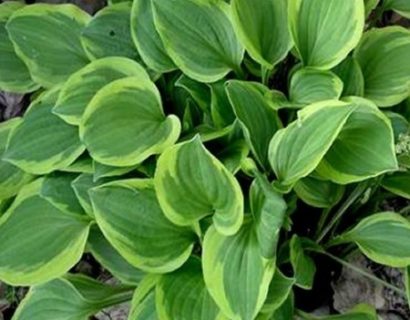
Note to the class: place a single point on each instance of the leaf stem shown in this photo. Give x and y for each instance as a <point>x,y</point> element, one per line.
<point>360,188</point>
<point>322,220</point>
<point>265,73</point>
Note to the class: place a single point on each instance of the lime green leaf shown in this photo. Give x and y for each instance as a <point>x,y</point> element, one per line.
<point>398,183</point>
<point>108,34</point>
<point>262,27</point>
<point>111,260</point>
<point>199,37</point>
<point>286,310</point>
<point>279,290</point>
<point>53,241</point>
<point>319,193</point>
<point>364,147</point>
<point>57,190</point>
<point>260,122</point>
<point>47,38</point>
<point>199,92</point>
<point>103,171</point>
<point>360,312</point>
<point>81,186</point>
<point>183,295</point>
<point>402,7</point>
<point>86,297</point>
<point>192,184</point>
<point>143,303</point>
<point>81,87</point>
<point>295,151</point>
<point>128,135</point>
<point>309,85</point>
<point>43,142</point>
<point>83,164</point>
<point>129,215</point>
<point>239,268</point>
<point>14,76</point>
<point>369,6</point>
<point>147,39</point>
<point>351,74</point>
<point>325,31</point>
<point>12,179</point>
<point>304,267</point>
<point>383,55</point>
<point>221,109</point>
<point>393,249</point>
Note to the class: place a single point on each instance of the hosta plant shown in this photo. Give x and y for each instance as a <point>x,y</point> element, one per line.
<point>214,156</point>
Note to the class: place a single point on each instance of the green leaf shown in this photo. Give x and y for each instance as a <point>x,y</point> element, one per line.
<point>239,268</point>
<point>82,86</point>
<point>103,171</point>
<point>309,85</point>
<point>260,122</point>
<point>383,55</point>
<point>369,6</point>
<point>128,135</point>
<point>43,142</point>
<point>199,92</point>
<point>364,147</point>
<point>402,7</point>
<point>304,267</point>
<point>111,260</point>
<point>279,290</point>
<point>14,76</point>
<point>129,216</point>
<point>47,38</point>
<point>38,242</point>
<point>143,303</point>
<point>147,39</point>
<point>192,184</point>
<point>319,193</point>
<point>73,297</point>
<point>399,124</point>
<point>83,164</point>
<point>350,73</point>
<point>199,37</point>
<point>108,34</point>
<point>183,295</point>
<point>398,183</point>
<point>81,185</point>
<point>56,188</point>
<point>262,27</point>
<point>296,150</point>
<point>393,249</point>
<point>221,110</point>
<point>12,179</point>
<point>359,312</point>
<point>325,31</point>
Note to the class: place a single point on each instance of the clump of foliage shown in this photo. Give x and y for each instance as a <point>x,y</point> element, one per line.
<point>208,153</point>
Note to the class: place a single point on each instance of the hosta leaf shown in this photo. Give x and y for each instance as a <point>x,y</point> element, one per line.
<point>232,155</point>
<point>205,25</point>
<point>364,147</point>
<point>73,297</point>
<point>199,92</point>
<point>399,124</point>
<point>128,135</point>
<point>351,74</point>
<point>81,185</point>
<point>43,142</point>
<point>221,109</point>
<point>14,76</point>
<point>392,249</point>
<point>279,290</point>
<point>57,189</point>
<point>52,240</point>
<point>262,27</point>
<point>369,6</point>
<point>325,31</point>
<point>308,85</point>
<point>143,303</point>
<point>147,39</point>
<point>103,171</point>
<point>239,268</point>
<point>383,55</point>
<point>295,151</point>
<point>402,7</point>
<point>304,267</point>
<point>258,119</point>
<point>132,221</point>
<point>183,295</point>
<point>47,38</point>
<point>81,87</point>
<point>83,164</point>
<point>12,178</point>
<point>360,312</point>
<point>398,183</point>
<point>192,184</point>
<point>111,260</point>
<point>318,193</point>
<point>108,34</point>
